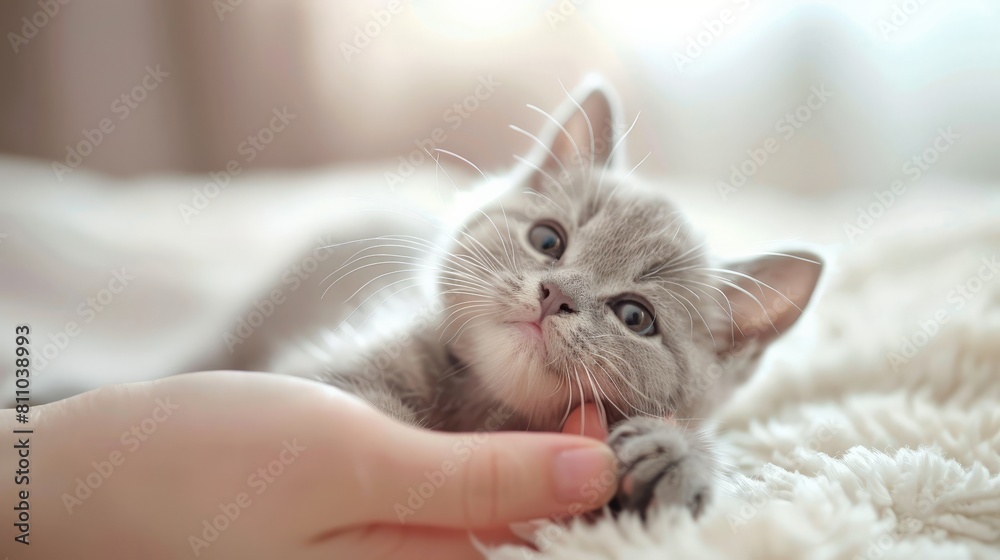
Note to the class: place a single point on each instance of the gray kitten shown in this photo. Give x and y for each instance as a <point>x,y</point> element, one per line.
<point>577,284</point>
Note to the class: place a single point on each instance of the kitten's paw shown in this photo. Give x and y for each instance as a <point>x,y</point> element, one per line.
<point>661,464</point>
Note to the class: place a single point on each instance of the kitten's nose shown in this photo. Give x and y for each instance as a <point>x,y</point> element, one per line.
<point>554,301</point>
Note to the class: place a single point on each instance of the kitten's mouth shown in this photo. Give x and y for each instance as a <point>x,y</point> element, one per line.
<point>532,329</point>
<point>584,393</point>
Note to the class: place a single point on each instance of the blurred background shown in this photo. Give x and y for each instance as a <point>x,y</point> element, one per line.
<point>710,79</point>
<point>123,120</point>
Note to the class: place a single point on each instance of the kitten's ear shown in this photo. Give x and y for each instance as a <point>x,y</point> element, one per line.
<point>585,137</point>
<point>766,296</point>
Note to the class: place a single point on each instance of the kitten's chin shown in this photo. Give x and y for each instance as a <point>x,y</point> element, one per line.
<point>510,360</point>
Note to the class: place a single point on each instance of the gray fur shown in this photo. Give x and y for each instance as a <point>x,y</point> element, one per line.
<point>472,367</point>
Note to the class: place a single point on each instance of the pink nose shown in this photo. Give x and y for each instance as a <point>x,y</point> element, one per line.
<point>555,301</point>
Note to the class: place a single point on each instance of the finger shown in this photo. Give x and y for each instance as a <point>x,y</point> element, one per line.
<point>487,479</point>
<point>586,421</point>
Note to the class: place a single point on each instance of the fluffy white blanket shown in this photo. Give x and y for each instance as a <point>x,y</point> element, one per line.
<point>873,433</point>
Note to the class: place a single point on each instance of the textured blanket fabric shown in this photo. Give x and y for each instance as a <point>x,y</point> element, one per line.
<point>873,431</point>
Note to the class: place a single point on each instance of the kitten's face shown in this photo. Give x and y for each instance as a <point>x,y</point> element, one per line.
<point>578,284</point>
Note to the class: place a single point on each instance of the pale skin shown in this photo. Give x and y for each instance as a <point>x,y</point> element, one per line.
<point>136,471</point>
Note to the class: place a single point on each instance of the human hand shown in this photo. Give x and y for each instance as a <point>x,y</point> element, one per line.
<point>585,421</point>
<point>238,465</point>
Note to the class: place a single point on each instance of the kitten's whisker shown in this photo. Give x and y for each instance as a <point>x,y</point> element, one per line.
<point>604,356</point>
<point>583,410</point>
<point>679,285</point>
<point>597,393</point>
<point>552,362</point>
<point>619,143</point>
<point>459,282</point>
<point>677,226</point>
<point>465,324</point>
<point>722,293</point>
<point>434,223</point>
<point>708,328</point>
<point>462,307</point>
<point>695,253</point>
<point>409,212</point>
<point>576,148</point>
<point>609,399</point>
<point>674,225</point>
<point>479,253</point>
<point>343,322</point>
<point>446,270</point>
<point>474,166</point>
<point>449,275</point>
<point>554,203</point>
<point>380,276</point>
<point>757,282</point>
<point>454,155</point>
<point>379,291</point>
<point>687,264</point>
<point>675,267</point>
<point>476,257</point>
<point>730,311</point>
<point>557,389</point>
<point>684,307</point>
<point>412,276</point>
<point>551,179</point>
<point>484,252</point>
<point>627,175</point>
<point>479,210</point>
<point>462,291</point>
<point>359,256</point>
<point>507,252</point>
<point>458,316</point>
<point>462,310</point>
<point>419,262</point>
<point>751,296</point>
<point>624,398</point>
<point>457,370</point>
<point>785,255</point>
<point>441,252</point>
<point>590,131</point>
<point>542,144</point>
<point>569,399</point>
<point>510,238</point>
<point>614,383</point>
<point>687,303</point>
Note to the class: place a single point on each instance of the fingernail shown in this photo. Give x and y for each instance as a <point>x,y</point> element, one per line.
<point>576,468</point>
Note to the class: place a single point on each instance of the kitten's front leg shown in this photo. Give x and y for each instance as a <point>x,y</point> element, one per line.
<point>661,464</point>
<point>388,393</point>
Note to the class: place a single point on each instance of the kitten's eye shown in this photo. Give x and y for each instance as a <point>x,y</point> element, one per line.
<point>547,240</point>
<point>635,316</point>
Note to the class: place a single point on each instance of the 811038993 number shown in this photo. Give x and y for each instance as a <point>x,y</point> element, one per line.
<point>22,363</point>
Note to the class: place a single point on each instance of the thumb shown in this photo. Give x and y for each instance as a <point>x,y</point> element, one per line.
<point>586,421</point>
<point>487,479</point>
